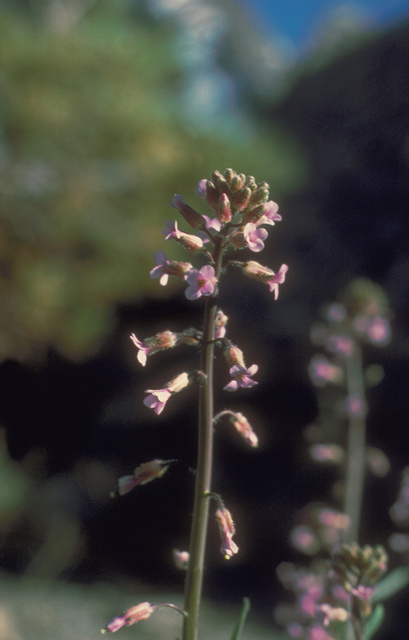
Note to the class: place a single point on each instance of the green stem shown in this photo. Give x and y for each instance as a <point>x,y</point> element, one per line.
<point>355,471</point>
<point>194,577</point>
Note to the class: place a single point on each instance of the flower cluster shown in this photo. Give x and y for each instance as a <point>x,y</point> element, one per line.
<point>240,209</point>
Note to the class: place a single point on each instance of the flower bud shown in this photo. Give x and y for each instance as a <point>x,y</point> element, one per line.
<point>135,614</point>
<point>241,198</point>
<point>223,210</point>
<point>190,215</point>
<point>234,355</point>
<point>177,384</point>
<point>243,426</point>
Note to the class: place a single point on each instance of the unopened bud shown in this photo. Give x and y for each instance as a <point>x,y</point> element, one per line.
<point>234,355</point>
<point>223,210</point>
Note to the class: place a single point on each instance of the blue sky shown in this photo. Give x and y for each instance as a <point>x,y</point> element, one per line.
<point>296,20</point>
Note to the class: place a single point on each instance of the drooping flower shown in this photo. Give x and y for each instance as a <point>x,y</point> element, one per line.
<point>146,472</point>
<point>135,614</point>
<point>189,241</point>
<point>201,282</point>
<point>241,377</point>
<point>254,237</point>
<point>256,271</point>
<point>150,346</point>
<point>166,268</point>
<point>220,325</point>
<point>158,398</point>
<point>181,559</point>
<point>226,527</point>
<point>234,355</point>
<point>245,429</point>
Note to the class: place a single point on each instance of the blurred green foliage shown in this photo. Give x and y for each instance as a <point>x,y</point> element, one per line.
<point>92,149</point>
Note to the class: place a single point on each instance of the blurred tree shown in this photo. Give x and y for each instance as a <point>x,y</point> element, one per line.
<point>94,141</point>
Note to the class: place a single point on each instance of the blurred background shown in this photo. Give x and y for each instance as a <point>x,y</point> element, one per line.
<point>106,110</point>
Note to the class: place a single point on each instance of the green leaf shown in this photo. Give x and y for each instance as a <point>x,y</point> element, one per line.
<point>242,619</point>
<point>374,622</point>
<point>391,584</point>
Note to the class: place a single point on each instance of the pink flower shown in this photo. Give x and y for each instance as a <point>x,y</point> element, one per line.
<point>220,325</point>
<point>141,611</point>
<point>168,268</point>
<point>270,215</point>
<point>144,473</point>
<point>212,224</point>
<point>163,340</point>
<point>321,371</point>
<point>201,283</point>
<point>254,237</point>
<point>241,377</point>
<point>190,242</point>
<point>201,188</point>
<point>379,331</point>
<point>227,530</point>
<point>256,271</point>
<point>159,397</point>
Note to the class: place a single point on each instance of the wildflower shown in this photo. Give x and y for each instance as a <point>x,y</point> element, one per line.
<point>201,283</point>
<point>201,188</point>
<point>163,340</point>
<point>242,425</point>
<point>190,215</point>
<point>212,224</point>
<point>159,397</point>
<point>223,210</point>
<point>256,271</point>
<point>254,237</point>
<point>135,614</point>
<point>227,530</point>
<point>270,215</point>
<point>241,377</point>
<point>144,473</point>
<point>220,325</point>
<point>187,240</point>
<point>321,371</point>
<point>181,559</point>
<point>234,355</point>
<point>166,268</point>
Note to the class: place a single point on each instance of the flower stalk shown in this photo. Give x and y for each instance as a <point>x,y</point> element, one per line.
<point>194,577</point>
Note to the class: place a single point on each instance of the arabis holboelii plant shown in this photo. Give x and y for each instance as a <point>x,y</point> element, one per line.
<point>239,212</point>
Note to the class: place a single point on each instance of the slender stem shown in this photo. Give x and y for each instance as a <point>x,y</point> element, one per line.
<point>355,471</point>
<point>194,578</point>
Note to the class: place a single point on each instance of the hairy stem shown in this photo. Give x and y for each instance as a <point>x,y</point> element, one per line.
<point>355,471</point>
<point>194,578</point>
